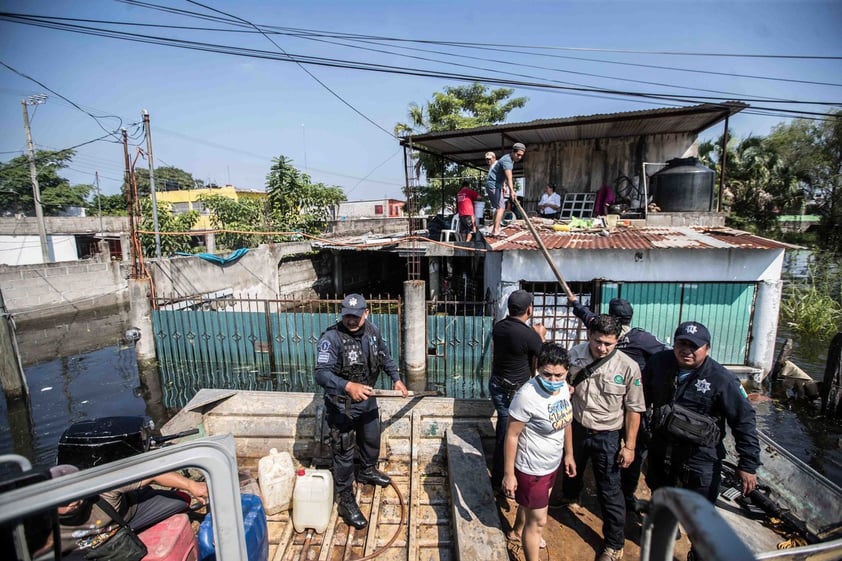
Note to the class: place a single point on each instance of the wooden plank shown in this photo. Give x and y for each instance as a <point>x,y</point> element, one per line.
<point>411,522</point>
<point>476,523</point>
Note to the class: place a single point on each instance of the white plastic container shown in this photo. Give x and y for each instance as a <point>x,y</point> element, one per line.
<point>312,500</point>
<point>277,478</point>
<point>479,210</point>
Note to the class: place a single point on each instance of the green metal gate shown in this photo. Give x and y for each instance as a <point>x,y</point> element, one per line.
<point>726,309</point>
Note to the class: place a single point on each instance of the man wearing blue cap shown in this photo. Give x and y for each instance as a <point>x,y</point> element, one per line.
<point>688,379</point>
<point>351,355</point>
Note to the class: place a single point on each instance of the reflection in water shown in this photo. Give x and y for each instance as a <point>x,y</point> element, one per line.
<point>71,389</point>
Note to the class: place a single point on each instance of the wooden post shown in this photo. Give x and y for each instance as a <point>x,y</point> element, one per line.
<point>11,371</point>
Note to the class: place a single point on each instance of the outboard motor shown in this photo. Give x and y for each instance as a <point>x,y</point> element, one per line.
<point>99,441</point>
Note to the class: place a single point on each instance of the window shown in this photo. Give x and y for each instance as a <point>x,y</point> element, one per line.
<point>378,209</point>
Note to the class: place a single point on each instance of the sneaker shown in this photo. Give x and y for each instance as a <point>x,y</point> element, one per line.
<point>609,554</point>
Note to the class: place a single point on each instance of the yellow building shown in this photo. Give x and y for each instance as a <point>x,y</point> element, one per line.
<point>183,200</point>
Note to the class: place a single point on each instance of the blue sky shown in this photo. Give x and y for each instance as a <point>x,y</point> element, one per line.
<point>223,118</point>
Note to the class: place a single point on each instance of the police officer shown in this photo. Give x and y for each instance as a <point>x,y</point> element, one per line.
<point>638,344</point>
<point>607,403</point>
<point>351,355</point>
<point>689,377</point>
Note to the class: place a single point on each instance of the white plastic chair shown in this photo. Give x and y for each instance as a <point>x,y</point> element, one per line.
<point>453,233</point>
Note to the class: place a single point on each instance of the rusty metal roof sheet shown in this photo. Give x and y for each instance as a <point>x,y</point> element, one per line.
<point>468,146</point>
<point>519,238</point>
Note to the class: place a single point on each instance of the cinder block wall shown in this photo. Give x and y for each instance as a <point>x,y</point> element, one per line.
<point>42,290</point>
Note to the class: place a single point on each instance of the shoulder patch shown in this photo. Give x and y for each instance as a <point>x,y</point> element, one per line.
<point>618,378</point>
<point>324,345</point>
<point>637,381</point>
<point>743,392</point>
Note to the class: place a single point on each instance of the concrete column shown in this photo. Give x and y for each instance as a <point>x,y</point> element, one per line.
<point>11,371</point>
<point>105,251</point>
<point>125,247</point>
<point>210,242</point>
<point>140,316</point>
<point>767,307</point>
<point>415,335</point>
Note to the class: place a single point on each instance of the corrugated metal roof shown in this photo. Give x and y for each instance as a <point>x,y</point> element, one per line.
<point>519,238</point>
<point>468,146</point>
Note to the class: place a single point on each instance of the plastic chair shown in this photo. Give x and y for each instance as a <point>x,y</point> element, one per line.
<point>453,233</point>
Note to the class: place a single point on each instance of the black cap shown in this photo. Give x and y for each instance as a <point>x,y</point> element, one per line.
<point>694,332</point>
<point>353,305</point>
<point>519,302</point>
<point>620,308</point>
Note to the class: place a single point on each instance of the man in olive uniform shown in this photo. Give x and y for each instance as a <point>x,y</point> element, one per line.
<point>351,355</point>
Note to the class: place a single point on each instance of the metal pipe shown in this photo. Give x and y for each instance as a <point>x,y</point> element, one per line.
<point>722,163</point>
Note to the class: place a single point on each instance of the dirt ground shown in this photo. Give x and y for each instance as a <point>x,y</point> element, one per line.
<point>574,533</point>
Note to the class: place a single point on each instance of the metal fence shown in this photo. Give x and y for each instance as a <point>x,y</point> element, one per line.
<point>224,341</point>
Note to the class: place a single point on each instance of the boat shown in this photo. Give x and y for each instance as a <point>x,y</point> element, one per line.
<point>441,505</point>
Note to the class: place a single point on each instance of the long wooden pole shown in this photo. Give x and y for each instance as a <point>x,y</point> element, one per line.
<point>541,245</point>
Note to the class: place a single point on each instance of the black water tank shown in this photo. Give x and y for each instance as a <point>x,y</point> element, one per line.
<point>684,185</point>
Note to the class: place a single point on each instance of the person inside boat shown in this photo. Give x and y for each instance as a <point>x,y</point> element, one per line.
<point>84,522</point>
<point>351,355</point>
<point>536,434</point>
<point>515,350</point>
<point>639,345</point>
<point>686,386</point>
<point>607,403</point>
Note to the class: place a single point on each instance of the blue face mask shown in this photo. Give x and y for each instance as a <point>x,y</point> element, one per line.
<point>550,387</point>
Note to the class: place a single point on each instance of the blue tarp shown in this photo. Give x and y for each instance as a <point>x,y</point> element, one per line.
<point>217,259</point>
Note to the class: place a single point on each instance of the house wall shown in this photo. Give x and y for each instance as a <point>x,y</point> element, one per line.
<point>584,165</point>
<point>26,250</point>
<point>762,267</point>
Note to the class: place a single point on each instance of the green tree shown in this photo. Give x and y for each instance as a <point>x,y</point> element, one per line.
<point>57,194</point>
<point>247,215</point>
<point>296,203</point>
<point>167,178</point>
<point>455,108</point>
<point>111,205</point>
<point>812,152</point>
<point>167,222</point>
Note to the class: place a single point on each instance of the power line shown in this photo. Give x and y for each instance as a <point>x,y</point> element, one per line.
<point>313,76</point>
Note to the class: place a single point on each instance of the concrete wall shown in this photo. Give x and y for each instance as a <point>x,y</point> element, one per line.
<point>263,272</point>
<point>64,225</point>
<point>43,290</point>
<point>362,226</point>
<point>26,250</point>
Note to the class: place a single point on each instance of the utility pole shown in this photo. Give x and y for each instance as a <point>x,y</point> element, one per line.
<point>33,173</point>
<point>130,206</point>
<point>148,130</point>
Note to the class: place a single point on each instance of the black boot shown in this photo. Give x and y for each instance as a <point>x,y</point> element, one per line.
<point>350,511</point>
<point>374,476</point>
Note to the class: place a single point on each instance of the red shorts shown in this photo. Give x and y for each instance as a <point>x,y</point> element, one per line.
<point>533,491</point>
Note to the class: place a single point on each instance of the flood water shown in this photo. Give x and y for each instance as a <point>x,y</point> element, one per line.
<point>97,375</point>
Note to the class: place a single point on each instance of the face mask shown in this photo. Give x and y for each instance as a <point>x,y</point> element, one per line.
<point>550,387</point>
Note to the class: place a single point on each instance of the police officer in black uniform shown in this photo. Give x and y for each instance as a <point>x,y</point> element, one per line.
<point>687,376</point>
<point>351,355</point>
<point>638,344</point>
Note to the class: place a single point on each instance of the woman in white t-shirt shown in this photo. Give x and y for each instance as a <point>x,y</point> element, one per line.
<point>535,438</point>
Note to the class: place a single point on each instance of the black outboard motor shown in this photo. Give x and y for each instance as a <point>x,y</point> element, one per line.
<point>99,441</point>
